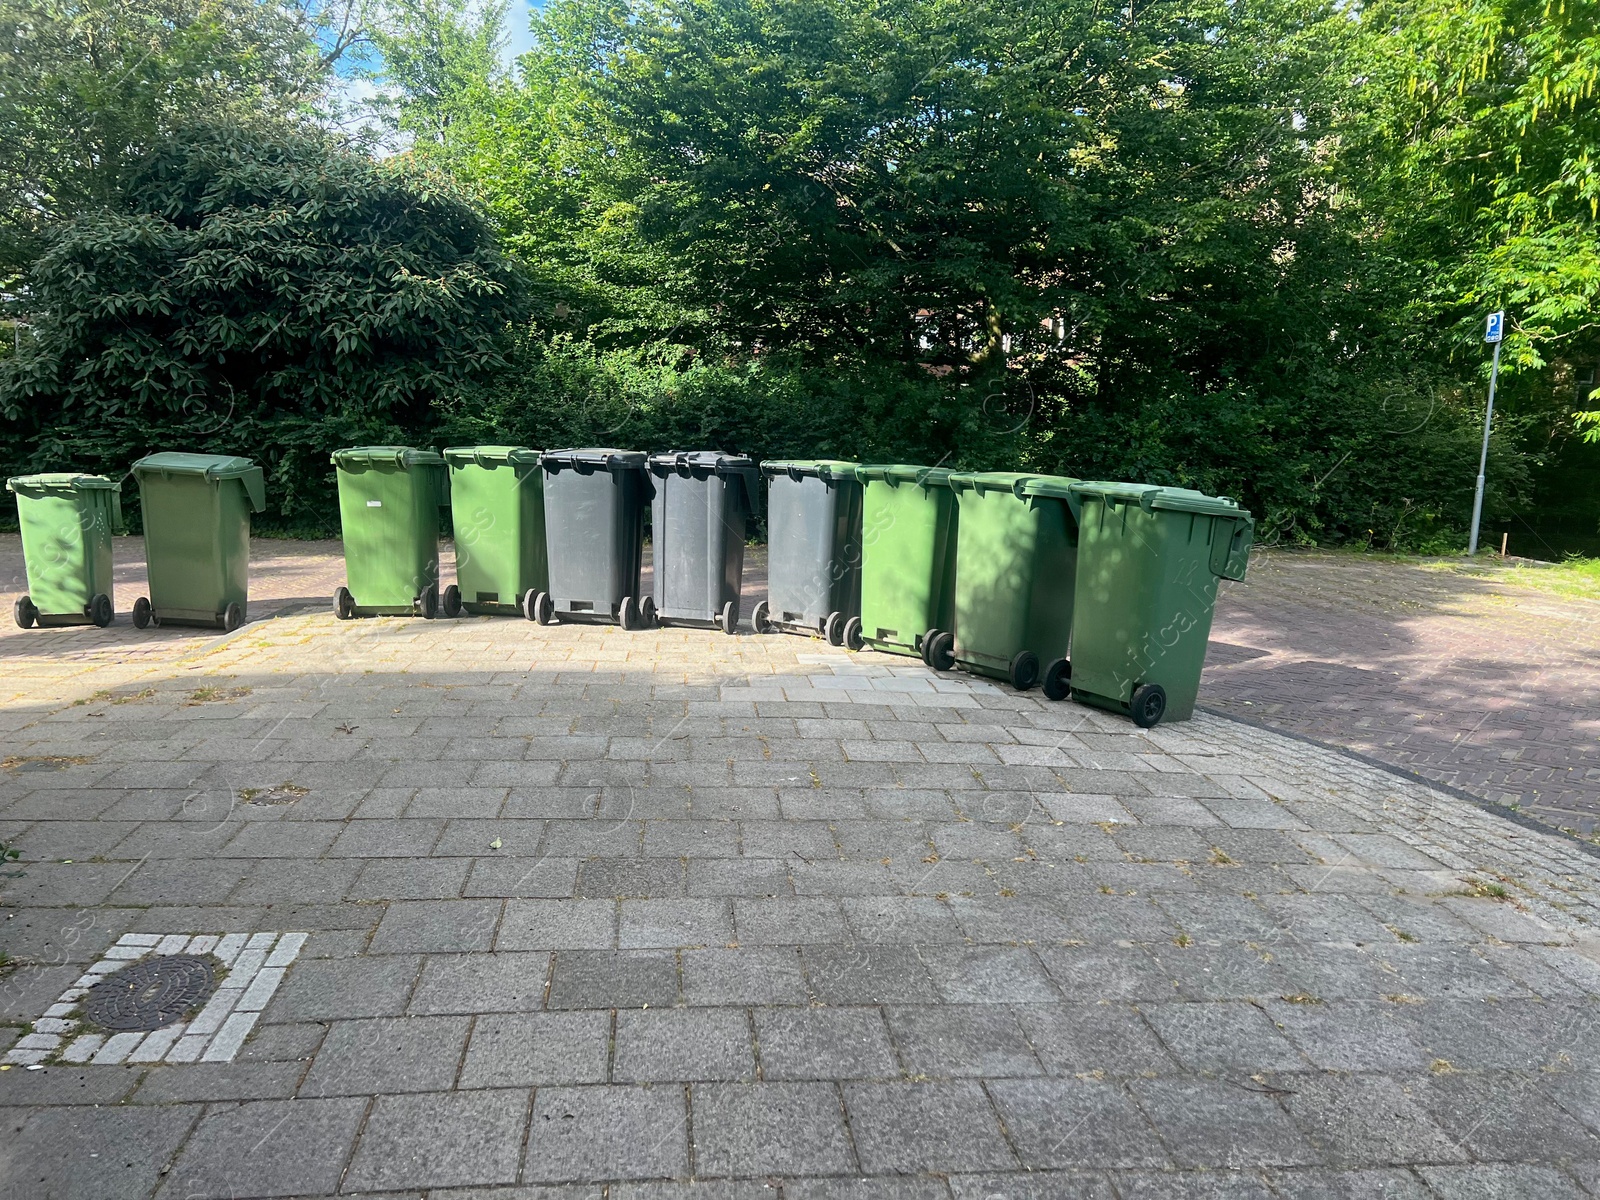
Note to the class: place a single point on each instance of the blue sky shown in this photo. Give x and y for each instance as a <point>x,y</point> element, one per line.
<point>518,38</point>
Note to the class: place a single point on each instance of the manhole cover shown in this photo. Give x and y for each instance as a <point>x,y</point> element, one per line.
<point>151,993</point>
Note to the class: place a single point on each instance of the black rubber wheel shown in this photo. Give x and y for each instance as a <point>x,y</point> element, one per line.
<point>544,609</point>
<point>100,610</point>
<point>833,629</point>
<point>852,634</point>
<point>344,604</point>
<point>942,650</point>
<point>729,620</point>
<point>627,616</point>
<point>758,618</point>
<point>24,613</point>
<point>428,602</point>
<point>1058,679</point>
<point>232,617</point>
<point>924,643</point>
<point>648,617</point>
<point>1149,705</point>
<point>451,601</point>
<point>142,613</point>
<point>1024,670</point>
<point>525,603</point>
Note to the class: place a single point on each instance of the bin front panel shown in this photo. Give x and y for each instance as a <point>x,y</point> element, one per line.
<point>196,544</point>
<point>1015,569</point>
<point>389,518</point>
<point>594,527</point>
<point>66,548</point>
<point>498,508</point>
<point>907,562</point>
<point>814,548</point>
<point>698,526</point>
<point>1147,595</point>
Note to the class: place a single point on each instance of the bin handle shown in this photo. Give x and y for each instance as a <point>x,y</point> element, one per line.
<point>116,510</point>
<point>795,473</point>
<point>255,485</point>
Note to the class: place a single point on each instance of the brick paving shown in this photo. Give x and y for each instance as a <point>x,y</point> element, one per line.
<point>674,915</point>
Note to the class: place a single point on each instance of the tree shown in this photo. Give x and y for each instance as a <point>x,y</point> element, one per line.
<point>437,62</point>
<point>258,290</point>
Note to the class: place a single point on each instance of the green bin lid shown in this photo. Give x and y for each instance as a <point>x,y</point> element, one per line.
<point>594,456</point>
<point>1150,496</point>
<point>388,456</point>
<point>488,456</point>
<point>212,466</point>
<point>1018,483</point>
<point>62,481</point>
<point>822,468</point>
<point>904,473</point>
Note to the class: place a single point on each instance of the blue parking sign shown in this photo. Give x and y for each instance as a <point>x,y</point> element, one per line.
<point>1496,328</point>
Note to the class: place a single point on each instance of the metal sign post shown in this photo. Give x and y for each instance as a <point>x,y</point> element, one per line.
<point>1493,333</point>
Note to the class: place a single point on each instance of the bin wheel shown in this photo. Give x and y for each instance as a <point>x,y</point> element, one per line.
<point>525,603</point>
<point>941,650</point>
<point>924,642</point>
<point>100,610</point>
<point>1058,679</point>
<point>627,615</point>
<point>758,618</point>
<point>232,617</point>
<point>833,629</point>
<point>729,620</point>
<point>24,613</point>
<point>344,604</point>
<point>648,617</point>
<point>852,634</point>
<point>143,616</point>
<point>428,602</point>
<point>544,608</point>
<point>1024,670</point>
<point>1149,705</point>
<point>452,601</point>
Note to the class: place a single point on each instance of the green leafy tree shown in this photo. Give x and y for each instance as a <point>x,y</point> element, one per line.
<point>264,291</point>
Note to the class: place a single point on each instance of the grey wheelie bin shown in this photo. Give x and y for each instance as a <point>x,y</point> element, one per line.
<point>1149,559</point>
<point>813,548</point>
<point>594,502</point>
<point>698,523</point>
<point>67,521</point>
<point>497,501</point>
<point>390,499</point>
<point>197,537</point>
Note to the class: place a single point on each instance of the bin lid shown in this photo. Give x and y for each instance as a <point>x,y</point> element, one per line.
<point>466,456</point>
<point>905,473</point>
<point>1170,499</point>
<point>212,466</point>
<point>823,468</point>
<point>597,456</point>
<point>668,461</point>
<point>1018,483</point>
<point>392,456</point>
<point>63,481</point>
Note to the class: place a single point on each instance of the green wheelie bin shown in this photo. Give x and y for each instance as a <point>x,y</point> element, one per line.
<point>497,504</point>
<point>197,537</point>
<point>67,522</point>
<point>908,558</point>
<point>389,503</point>
<point>1016,557</point>
<point>1148,563</point>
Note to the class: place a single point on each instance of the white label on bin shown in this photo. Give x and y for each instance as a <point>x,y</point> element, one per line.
<point>374,503</point>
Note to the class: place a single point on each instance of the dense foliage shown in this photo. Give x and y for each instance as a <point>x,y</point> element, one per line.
<point>1243,245</point>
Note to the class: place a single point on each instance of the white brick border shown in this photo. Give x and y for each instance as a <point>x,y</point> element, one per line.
<point>256,964</point>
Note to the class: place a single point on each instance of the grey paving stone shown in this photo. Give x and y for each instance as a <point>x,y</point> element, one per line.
<point>900,919</point>
<point>646,924</point>
<point>331,988</point>
<point>386,839</point>
<point>945,1040</point>
<point>1349,1035</point>
<point>1223,1036</point>
<point>538,1049</point>
<point>906,1127</point>
<point>663,1045</point>
<point>63,1085</point>
<point>748,975</point>
<point>436,926</point>
<point>753,877</point>
<point>824,1043</point>
<point>1337,972</point>
<point>1076,1123</point>
<point>770,1129</point>
<point>387,1054</point>
<point>522,877</point>
<point>279,881</point>
<point>471,983</point>
<point>1499,1181</point>
<point>1231,971</point>
<point>521,838</point>
<point>1226,1124</point>
<point>1107,972</point>
<point>614,979</point>
<point>1080,1039</point>
<point>1445,971</point>
<point>91,1152</point>
<point>440,1140</point>
<point>558,925</point>
<point>1527,1035</point>
<point>623,1132</point>
<point>632,878</point>
<point>1503,1116</point>
<point>410,879</point>
<point>219,1081</point>
<point>1365,1121</point>
<point>173,881</point>
<point>1033,1185</point>
<point>988,975</point>
<point>294,1043</point>
<point>878,1188</point>
<point>788,922</point>
<point>862,974</point>
<point>266,1148</point>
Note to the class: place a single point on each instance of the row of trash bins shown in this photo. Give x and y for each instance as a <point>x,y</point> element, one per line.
<point>998,573</point>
